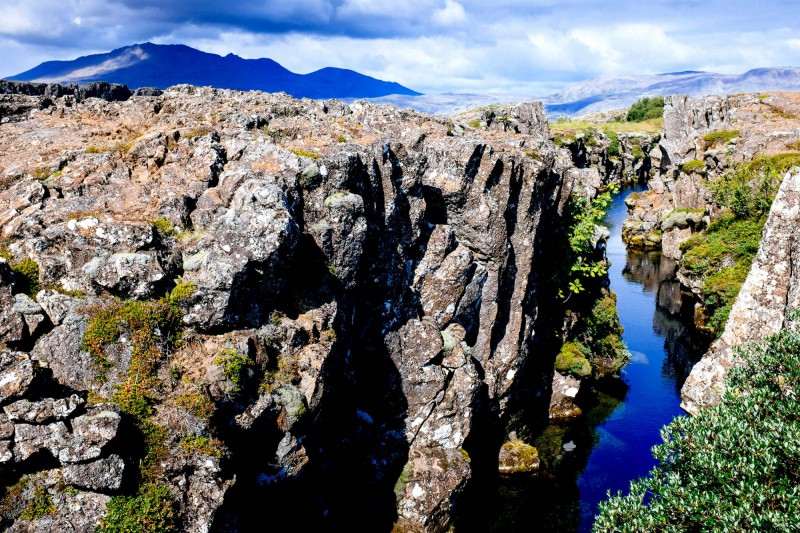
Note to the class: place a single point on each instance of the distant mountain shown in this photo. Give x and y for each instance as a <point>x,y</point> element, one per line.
<point>607,93</point>
<point>154,65</point>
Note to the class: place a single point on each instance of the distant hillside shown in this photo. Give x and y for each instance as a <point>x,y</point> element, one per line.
<point>153,65</point>
<point>607,93</point>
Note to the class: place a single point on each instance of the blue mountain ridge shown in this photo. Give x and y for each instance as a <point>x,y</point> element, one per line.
<point>161,66</point>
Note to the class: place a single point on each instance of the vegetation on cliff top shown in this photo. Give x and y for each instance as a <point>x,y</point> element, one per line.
<point>723,253</point>
<point>734,466</point>
<point>645,109</point>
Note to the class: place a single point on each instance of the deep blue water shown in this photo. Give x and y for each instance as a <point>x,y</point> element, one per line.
<point>610,445</point>
<point>622,451</point>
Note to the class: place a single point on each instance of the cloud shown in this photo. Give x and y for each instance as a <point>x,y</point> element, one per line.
<point>519,46</point>
<point>452,13</point>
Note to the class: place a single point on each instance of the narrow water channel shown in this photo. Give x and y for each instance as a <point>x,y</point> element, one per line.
<point>610,445</point>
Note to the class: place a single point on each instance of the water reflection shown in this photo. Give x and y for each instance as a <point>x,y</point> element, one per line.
<point>610,444</point>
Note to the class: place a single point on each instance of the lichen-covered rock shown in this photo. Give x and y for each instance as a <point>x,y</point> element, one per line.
<point>101,475</point>
<point>16,374</point>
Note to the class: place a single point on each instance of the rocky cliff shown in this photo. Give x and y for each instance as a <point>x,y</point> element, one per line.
<point>233,304</point>
<point>771,290</point>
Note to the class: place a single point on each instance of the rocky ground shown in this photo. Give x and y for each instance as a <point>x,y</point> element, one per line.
<point>221,304</point>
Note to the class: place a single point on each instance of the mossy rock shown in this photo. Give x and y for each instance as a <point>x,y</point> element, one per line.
<point>571,360</point>
<point>517,457</point>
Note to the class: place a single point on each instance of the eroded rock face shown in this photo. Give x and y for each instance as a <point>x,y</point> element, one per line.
<point>772,289</point>
<point>332,258</point>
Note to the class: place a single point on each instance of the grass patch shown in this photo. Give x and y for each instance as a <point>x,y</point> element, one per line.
<point>722,136</point>
<point>653,125</point>
<point>696,165</point>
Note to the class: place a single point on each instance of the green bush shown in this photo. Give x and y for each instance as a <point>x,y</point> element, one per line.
<point>151,510</point>
<point>645,109</point>
<point>613,145</point>
<point>734,466</point>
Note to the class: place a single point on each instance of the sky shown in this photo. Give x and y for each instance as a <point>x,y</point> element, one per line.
<point>526,47</point>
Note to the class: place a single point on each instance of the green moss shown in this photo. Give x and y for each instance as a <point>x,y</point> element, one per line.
<point>202,446</point>
<point>182,291</point>
<point>637,152</point>
<point>402,481</point>
<point>721,136</point>
<point>572,360</point>
<point>341,139</point>
<point>695,165</point>
<point>304,153</point>
<point>151,510</point>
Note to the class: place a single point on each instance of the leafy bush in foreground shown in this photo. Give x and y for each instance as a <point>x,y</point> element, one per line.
<point>734,466</point>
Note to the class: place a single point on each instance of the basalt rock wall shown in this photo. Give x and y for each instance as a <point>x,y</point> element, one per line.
<point>357,286</point>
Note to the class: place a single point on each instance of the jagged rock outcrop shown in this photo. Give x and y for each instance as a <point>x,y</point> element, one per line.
<point>702,139</point>
<point>356,285</point>
<point>771,290</point>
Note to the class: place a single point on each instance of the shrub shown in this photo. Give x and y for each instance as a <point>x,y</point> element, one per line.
<point>234,366</point>
<point>26,279</point>
<point>203,446</point>
<point>734,466</point>
<point>585,216</point>
<point>613,146</point>
<point>40,505</point>
<point>151,510</point>
<point>646,108</point>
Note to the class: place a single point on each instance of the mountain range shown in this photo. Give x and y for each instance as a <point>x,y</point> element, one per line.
<point>608,93</point>
<point>161,66</point>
